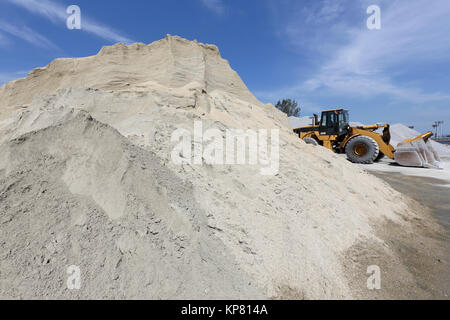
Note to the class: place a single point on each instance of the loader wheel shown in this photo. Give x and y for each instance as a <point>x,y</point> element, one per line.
<point>312,141</point>
<point>362,149</point>
<point>380,156</point>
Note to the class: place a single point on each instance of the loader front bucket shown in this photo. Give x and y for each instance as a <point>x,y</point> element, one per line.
<point>417,152</point>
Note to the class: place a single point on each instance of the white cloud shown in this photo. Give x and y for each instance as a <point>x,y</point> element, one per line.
<point>57,14</point>
<point>328,11</point>
<point>4,41</point>
<point>27,34</point>
<point>215,5</point>
<point>364,62</point>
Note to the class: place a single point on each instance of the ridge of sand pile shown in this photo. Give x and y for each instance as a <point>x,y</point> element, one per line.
<point>75,192</point>
<point>172,62</point>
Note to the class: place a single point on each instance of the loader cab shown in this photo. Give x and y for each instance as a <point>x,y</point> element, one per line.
<point>334,122</point>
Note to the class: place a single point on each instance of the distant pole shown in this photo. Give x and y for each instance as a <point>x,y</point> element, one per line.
<point>441,133</point>
<point>438,126</point>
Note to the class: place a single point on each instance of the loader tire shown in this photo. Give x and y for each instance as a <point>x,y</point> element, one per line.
<point>362,149</point>
<point>380,156</point>
<point>310,140</point>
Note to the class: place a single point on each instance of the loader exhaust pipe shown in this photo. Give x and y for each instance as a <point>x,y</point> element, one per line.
<point>316,119</point>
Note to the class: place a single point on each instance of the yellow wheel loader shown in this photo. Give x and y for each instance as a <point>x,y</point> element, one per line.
<point>363,144</point>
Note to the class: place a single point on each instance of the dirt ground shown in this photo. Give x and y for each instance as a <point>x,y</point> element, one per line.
<point>426,273</point>
<point>430,192</point>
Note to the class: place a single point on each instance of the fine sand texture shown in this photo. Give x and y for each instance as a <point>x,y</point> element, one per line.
<point>87,178</point>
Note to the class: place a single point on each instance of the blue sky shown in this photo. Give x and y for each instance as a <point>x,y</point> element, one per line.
<point>319,52</point>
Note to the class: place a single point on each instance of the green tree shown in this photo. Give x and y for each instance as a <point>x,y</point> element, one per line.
<point>288,106</point>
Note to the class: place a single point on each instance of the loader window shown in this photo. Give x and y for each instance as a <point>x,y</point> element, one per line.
<point>328,123</point>
<point>328,120</point>
<point>343,119</point>
<point>332,120</point>
<point>334,123</point>
<point>343,122</point>
<point>324,120</point>
<point>346,117</point>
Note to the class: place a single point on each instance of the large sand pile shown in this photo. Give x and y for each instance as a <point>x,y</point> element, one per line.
<point>86,179</point>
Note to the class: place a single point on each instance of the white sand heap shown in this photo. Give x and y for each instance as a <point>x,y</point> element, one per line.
<point>86,179</point>
<point>400,132</point>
